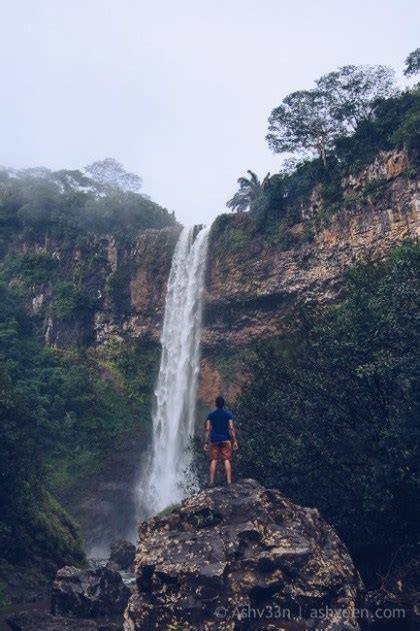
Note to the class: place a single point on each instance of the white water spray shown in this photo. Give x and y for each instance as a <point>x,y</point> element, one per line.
<point>175,394</point>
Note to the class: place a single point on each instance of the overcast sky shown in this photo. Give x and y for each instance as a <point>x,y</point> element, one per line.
<point>178,91</point>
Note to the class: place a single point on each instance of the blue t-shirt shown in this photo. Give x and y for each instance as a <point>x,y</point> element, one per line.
<point>219,420</point>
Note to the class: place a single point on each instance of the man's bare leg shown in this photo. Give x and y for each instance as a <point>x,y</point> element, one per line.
<point>228,471</point>
<point>213,467</point>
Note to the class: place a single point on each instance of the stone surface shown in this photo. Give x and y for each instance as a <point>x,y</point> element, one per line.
<point>252,287</point>
<point>41,621</point>
<point>253,282</point>
<point>233,558</point>
<point>122,554</point>
<point>92,593</point>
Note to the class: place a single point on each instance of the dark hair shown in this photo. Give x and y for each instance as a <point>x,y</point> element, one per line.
<point>220,402</point>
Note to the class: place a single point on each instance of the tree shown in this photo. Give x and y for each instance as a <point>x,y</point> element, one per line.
<point>408,133</point>
<point>304,123</point>
<point>251,194</point>
<point>111,174</point>
<point>312,120</point>
<point>351,91</point>
<point>330,414</point>
<point>412,63</point>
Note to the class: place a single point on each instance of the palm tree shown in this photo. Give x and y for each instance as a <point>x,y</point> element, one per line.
<point>252,193</point>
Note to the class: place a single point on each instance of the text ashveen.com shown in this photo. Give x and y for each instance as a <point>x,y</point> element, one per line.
<point>275,612</point>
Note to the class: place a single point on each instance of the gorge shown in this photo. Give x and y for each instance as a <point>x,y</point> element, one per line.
<point>101,304</point>
<point>253,280</point>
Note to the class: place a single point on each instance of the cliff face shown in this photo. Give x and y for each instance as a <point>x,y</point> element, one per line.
<point>254,279</point>
<point>98,289</point>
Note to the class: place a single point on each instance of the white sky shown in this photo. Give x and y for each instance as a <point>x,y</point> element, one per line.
<point>178,91</point>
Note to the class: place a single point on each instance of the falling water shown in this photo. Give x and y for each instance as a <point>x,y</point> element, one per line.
<point>175,394</point>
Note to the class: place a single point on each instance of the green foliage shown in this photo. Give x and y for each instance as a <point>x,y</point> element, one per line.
<point>331,414</point>
<point>34,529</point>
<point>303,123</point>
<point>168,510</point>
<point>81,400</point>
<point>412,63</point>
<point>350,116</point>
<point>38,203</point>
<point>352,91</point>
<point>70,300</point>
<point>252,194</point>
<point>408,133</point>
<point>312,120</point>
<point>392,122</point>
<point>376,134</point>
<point>32,268</point>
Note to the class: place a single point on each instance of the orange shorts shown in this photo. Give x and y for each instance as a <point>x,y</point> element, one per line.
<point>221,450</point>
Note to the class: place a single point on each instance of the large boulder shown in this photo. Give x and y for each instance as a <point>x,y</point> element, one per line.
<point>91,593</point>
<point>242,557</point>
<point>122,554</point>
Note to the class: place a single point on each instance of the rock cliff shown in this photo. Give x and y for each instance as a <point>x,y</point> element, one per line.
<point>96,289</point>
<point>253,277</point>
<point>242,557</point>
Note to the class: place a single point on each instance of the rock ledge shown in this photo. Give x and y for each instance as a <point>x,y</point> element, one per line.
<point>242,557</point>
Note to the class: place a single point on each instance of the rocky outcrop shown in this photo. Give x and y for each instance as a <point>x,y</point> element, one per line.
<point>254,280</point>
<point>42,621</point>
<point>122,554</point>
<point>242,557</point>
<point>111,289</point>
<point>91,593</point>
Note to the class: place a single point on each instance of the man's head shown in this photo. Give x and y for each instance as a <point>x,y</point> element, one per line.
<point>220,402</point>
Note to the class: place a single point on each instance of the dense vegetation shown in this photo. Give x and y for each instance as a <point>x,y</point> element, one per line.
<point>330,414</point>
<point>68,205</point>
<point>62,408</point>
<point>332,130</point>
<point>61,415</point>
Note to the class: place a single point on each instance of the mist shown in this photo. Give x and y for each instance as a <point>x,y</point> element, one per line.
<point>178,92</point>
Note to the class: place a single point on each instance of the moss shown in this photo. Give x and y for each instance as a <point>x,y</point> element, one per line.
<point>56,537</point>
<point>67,470</point>
<point>119,379</point>
<point>168,510</point>
<point>230,362</point>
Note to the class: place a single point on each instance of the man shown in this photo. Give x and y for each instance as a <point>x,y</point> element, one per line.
<point>219,435</point>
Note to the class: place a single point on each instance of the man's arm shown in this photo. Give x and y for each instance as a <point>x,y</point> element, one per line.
<point>232,432</point>
<point>207,430</point>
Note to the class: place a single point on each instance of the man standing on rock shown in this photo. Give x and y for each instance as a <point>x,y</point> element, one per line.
<point>220,434</point>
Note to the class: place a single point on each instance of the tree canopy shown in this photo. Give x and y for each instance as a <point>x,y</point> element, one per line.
<point>109,173</point>
<point>251,194</point>
<point>69,203</point>
<point>330,414</point>
<point>310,121</point>
<point>412,63</point>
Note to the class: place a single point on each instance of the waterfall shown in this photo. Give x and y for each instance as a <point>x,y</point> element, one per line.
<point>175,393</point>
